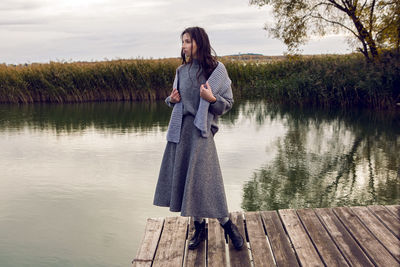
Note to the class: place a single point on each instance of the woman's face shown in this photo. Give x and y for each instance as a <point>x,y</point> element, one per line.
<point>189,46</point>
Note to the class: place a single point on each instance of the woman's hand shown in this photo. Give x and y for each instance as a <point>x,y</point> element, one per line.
<point>175,96</point>
<point>206,93</point>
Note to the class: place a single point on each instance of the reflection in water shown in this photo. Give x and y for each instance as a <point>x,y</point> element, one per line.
<point>328,159</point>
<point>325,158</point>
<point>70,118</point>
<point>78,179</point>
<point>106,116</point>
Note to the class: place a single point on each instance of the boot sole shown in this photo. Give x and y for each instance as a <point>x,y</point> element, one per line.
<point>239,248</point>
<point>193,248</point>
<point>228,238</point>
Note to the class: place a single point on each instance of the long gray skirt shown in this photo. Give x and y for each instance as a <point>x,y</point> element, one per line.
<point>190,179</point>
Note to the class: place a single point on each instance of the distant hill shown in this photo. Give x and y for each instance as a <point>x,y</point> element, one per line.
<point>251,56</point>
<point>245,54</point>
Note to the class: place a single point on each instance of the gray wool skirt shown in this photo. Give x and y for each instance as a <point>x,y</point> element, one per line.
<point>190,179</point>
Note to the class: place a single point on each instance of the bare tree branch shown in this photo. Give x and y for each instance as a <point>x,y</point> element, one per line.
<point>337,23</point>
<point>314,7</point>
<point>389,24</point>
<point>375,23</point>
<point>363,6</point>
<point>371,16</point>
<point>338,6</point>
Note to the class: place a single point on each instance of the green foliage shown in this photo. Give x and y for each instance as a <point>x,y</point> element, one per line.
<point>326,158</point>
<point>373,24</point>
<point>79,82</point>
<point>327,81</point>
<point>318,80</point>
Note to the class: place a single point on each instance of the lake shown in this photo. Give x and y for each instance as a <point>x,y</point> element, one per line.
<point>77,180</point>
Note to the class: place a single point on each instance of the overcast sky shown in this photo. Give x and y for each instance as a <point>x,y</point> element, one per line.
<point>92,30</point>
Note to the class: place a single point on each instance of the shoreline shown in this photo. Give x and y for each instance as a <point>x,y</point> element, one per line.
<point>341,81</point>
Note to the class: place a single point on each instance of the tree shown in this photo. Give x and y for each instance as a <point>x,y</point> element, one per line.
<point>373,24</point>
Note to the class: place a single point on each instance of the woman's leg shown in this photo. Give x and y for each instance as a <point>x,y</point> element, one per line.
<point>232,231</point>
<point>199,233</point>
<point>198,219</point>
<point>223,220</point>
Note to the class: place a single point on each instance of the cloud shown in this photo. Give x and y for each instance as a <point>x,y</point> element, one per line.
<point>43,30</point>
<point>21,5</point>
<point>18,22</point>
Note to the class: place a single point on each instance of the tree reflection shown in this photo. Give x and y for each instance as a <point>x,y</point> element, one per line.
<point>71,118</point>
<point>327,159</point>
<point>105,116</point>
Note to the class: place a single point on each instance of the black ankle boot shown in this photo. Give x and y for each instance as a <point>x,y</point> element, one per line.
<point>199,234</point>
<point>233,232</point>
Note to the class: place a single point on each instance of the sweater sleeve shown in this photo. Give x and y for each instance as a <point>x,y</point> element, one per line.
<point>221,106</point>
<point>168,102</point>
<point>174,85</point>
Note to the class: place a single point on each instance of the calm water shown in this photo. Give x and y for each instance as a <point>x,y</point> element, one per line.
<point>77,180</point>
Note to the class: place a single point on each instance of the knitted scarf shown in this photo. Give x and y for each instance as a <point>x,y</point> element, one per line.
<point>220,85</point>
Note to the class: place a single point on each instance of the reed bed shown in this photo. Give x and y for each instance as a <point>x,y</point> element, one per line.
<point>80,82</point>
<point>329,81</point>
<point>340,80</point>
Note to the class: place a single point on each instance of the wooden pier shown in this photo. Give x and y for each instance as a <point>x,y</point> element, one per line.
<point>342,236</point>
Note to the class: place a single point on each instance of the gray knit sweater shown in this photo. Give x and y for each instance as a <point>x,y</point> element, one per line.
<point>206,114</point>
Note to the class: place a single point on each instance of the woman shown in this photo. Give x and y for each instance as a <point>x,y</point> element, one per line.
<point>190,179</point>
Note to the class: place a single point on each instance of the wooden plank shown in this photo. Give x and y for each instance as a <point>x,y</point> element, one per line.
<point>347,245</point>
<point>240,258</point>
<point>302,244</point>
<point>259,245</point>
<point>196,257</point>
<point>171,247</point>
<point>327,249</point>
<point>148,246</point>
<point>216,255</point>
<point>395,210</point>
<point>378,229</point>
<point>387,218</point>
<point>373,248</point>
<point>280,244</point>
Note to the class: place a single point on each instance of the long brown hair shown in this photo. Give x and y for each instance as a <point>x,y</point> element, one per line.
<point>207,61</point>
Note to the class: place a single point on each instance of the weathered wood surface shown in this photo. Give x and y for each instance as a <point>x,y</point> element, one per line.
<point>341,236</point>
<point>387,218</point>
<point>376,251</point>
<point>327,249</point>
<point>196,257</point>
<point>147,250</point>
<point>171,247</point>
<point>383,234</point>
<point>280,243</point>
<point>239,258</point>
<point>216,256</point>
<point>259,245</point>
<point>395,209</point>
<point>343,239</point>
<point>302,244</point>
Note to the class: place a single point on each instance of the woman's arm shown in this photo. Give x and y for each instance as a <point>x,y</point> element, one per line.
<point>218,105</point>
<point>168,101</point>
<point>221,105</point>
<point>174,97</point>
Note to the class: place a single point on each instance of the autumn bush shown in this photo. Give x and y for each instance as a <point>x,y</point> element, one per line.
<point>328,80</point>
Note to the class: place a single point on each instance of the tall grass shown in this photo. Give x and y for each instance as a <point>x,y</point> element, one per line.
<point>78,82</point>
<point>345,80</point>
